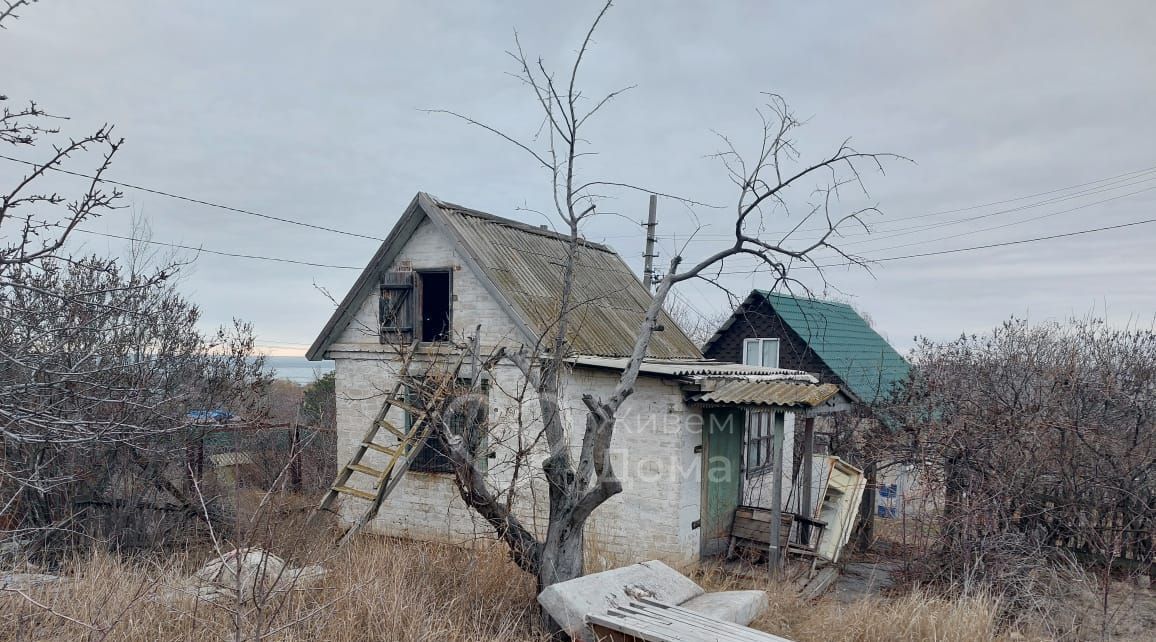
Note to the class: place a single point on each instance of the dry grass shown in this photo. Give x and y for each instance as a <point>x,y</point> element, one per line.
<point>383,589</point>
<point>910,618</point>
<point>915,617</point>
<point>376,589</point>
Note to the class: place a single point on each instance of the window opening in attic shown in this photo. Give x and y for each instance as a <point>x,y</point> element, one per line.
<point>436,296</point>
<point>761,352</point>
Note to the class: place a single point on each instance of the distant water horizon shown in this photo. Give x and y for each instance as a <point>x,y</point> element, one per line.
<point>297,369</point>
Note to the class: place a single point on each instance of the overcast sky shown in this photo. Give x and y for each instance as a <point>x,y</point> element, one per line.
<point>313,111</point>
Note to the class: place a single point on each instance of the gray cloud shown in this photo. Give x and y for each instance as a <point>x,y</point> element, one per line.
<point>314,114</point>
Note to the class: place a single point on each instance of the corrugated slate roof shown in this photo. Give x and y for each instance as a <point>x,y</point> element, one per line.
<point>697,368</point>
<point>855,352</point>
<point>768,393</point>
<point>521,265</point>
<point>526,264</point>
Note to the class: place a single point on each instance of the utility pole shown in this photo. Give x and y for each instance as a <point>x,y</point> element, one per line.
<point>649,256</point>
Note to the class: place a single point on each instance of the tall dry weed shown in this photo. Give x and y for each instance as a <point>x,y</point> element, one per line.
<point>376,589</point>
<point>399,591</point>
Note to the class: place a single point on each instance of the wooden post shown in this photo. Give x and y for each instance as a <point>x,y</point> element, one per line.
<point>775,560</point>
<point>200,467</point>
<point>867,507</point>
<point>806,502</point>
<point>295,463</point>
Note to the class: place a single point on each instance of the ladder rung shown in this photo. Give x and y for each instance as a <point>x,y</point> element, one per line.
<point>355,492</point>
<point>389,450</point>
<point>362,468</point>
<point>397,432</point>
<point>410,408</point>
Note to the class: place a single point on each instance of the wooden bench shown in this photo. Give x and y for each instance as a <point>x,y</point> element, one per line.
<point>751,533</point>
<point>652,621</point>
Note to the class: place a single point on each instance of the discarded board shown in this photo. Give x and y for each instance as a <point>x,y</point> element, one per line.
<point>570,603</point>
<point>652,621</point>
<point>818,585</point>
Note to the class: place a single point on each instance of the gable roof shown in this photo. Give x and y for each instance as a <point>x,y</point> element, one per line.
<point>521,265</point>
<point>864,362</point>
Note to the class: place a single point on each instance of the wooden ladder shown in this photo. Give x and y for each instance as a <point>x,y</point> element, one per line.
<point>400,454</point>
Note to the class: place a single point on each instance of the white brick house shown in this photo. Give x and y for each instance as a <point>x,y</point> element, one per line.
<point>446,272</point>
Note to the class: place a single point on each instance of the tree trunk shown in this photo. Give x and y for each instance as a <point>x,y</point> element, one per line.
<point>562,560</point>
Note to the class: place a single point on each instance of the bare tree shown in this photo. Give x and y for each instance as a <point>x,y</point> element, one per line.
<point>101,360</point>
<point>698,326</point>
<point>767,184</point>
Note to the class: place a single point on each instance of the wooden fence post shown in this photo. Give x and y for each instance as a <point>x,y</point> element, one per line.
<point>295,462</point>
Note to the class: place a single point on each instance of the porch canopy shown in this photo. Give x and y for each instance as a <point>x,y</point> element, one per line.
<point>714,384</point>
<point>789,396</point>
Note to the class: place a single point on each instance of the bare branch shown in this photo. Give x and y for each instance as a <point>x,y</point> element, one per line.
<point>494,131</point>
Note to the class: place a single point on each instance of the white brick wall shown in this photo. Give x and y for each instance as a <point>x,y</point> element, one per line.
<point>653,455</point>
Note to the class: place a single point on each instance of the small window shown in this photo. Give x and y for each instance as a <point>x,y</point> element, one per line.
<point>761,352</point>
<point>761,439</point>
<point>466,415</point>
<point>436,305</point>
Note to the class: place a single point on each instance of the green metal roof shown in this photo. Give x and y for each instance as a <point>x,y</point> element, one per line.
<point>863,360</point>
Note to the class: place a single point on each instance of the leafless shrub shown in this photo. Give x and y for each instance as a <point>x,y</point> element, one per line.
<point>100,360</point>
<point>1042,441</point>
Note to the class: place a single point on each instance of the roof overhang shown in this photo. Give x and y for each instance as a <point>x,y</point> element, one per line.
<point>695,369</point>
<point>785,395</point>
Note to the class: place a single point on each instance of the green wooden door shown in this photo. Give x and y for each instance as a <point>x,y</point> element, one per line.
<point>722,449</point>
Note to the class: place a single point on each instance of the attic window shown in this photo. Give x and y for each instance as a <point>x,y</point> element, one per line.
<point>436,304</point>
<point>420,302</point>
<point>761,352</point>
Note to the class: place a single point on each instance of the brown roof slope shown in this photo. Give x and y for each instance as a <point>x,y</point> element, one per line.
<point>525,263</point>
